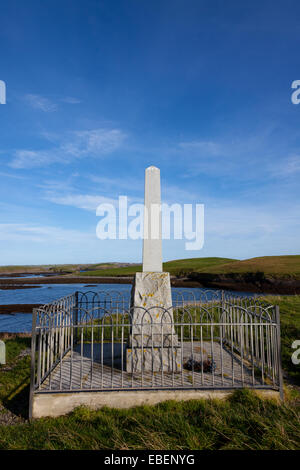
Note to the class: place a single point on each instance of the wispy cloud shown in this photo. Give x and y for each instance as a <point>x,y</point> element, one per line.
<point>42,234</point>
<point>47,105</point>
<point>81,201</point>
<point>10,175</point>
<point>70,100</point>
<point>202,147</point>
<point>72,145</point>
<point>289,166</point>
<point>41,103</point>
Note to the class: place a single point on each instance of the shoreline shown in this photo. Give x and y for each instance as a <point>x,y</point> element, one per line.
<point>240,283</point>
<point>277,286</point>
<point>284,286</point>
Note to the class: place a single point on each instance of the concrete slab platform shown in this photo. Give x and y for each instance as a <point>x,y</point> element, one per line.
<point>57,404</point>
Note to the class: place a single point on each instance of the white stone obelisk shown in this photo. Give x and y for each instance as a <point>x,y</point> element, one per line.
<point>153,344</point>
<point>152,243</point>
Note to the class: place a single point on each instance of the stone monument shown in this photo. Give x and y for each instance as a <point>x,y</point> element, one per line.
<point>153,344</point>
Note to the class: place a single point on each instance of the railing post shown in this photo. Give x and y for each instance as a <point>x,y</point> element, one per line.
<point>224,317</point>
<point>76,318</point>
<point>280,378</point>
<point>32,367</point>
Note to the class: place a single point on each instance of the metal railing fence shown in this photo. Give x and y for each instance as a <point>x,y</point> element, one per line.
<point>92,341</point>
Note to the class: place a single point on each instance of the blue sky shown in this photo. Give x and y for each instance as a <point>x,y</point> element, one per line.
<point>99,90</point>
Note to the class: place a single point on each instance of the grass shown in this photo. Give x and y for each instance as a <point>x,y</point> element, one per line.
<point>244,421</point>
<point>179,267</point>
<point>289,306</point>
<point>113,271</point>
<point>269,266</point>
<point>277,266</point>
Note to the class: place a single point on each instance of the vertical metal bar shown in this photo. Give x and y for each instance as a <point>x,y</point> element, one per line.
<point>241,317</point>
<point>172,349</point>
<point>192,355</point>
<point>112,351</point>
<point>101,347</point>
<point>39,359</point>
<point>280,378</point>
<point>181,348</point>
<point>152,357</point>
<point>61,335</point>
<point>262,351</point>
<point>161,352</point>
<point>221,351</point>
<point>142,348</point>
<point>92,353</point>
<point>252,352</point>
<point>32,367</point>
<point>232,327</point>
<point>71,354</point>
<point>201,352</point>
<point>212,352</point>
<point>122,351</point>
<point>76,317</point>
<point>81,354</point>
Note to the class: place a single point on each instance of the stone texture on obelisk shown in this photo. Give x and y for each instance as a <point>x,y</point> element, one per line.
<point>153,344</point>
<point>152,246</point>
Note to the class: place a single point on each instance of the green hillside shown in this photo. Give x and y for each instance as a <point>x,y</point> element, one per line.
<point>278,266</point>
<point>177,267</point>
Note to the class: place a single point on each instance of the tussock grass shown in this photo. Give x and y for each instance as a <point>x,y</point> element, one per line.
<point>242,422</point>
<point>289,306</point>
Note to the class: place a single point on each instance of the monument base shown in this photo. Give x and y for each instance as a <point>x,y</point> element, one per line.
<point>153,343</point>
<point>153,359</point>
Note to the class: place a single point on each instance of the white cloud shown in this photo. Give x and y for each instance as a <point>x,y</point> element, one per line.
<point>41,103</point>
<point>70,100</point>
<point>45,104</point>
<point>42,234</point>
<point>31,159</point>
<point>93,142</point>
<point>76,144</point>
<point>202,147</point>
<point>81,201</point>
<point>287,167</point>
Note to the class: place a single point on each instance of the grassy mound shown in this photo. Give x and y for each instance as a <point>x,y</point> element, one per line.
<point>278,266</point>
<point>178,267</point>
<point>244,421</point>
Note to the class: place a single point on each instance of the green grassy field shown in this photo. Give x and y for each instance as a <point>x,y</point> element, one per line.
<point>284,266</point>
<point>179,267</point>
<point>276,266</point>
<point>244,421</point>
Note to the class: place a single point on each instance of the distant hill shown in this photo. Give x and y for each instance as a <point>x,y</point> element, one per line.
<point>180,267</point>
<point>277,266</point>
<point>287,266</point>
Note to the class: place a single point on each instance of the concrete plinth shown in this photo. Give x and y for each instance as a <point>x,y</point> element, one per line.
<point>153,343</point>
<point>153,359</point>
<point>56,404</point>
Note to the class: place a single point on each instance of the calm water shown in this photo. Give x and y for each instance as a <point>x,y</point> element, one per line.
<point>21,322</point>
